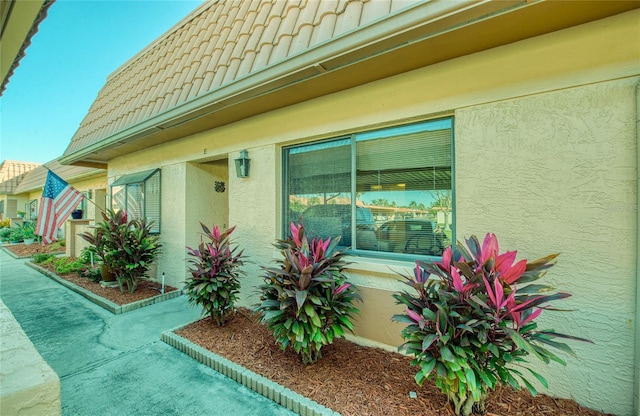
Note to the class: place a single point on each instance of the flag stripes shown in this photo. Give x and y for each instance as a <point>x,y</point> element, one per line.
<point>58,200</point>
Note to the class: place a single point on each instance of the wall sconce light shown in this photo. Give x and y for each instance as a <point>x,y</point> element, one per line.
<point>242,164</point>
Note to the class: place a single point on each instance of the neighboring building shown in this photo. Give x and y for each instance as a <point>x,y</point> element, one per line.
<point>19,21</point>
<point>91,182</point>
<point>11,173</point>
<point>523,114</point>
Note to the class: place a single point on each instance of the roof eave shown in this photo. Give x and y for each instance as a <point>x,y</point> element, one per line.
<point>26,8</point>
<point>351,60</point>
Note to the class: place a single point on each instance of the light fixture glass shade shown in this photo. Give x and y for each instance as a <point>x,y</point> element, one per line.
<point>242,164</point>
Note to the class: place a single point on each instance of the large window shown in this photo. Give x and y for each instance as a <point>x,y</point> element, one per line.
<point>139,195</point>
<point>387,190</point>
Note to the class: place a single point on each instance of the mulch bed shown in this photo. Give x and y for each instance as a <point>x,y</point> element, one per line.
<point>23,250</point>
<point>146,289</point>
<point>355,380</point>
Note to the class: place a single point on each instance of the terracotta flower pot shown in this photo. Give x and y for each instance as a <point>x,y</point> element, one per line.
<point>106,273</point>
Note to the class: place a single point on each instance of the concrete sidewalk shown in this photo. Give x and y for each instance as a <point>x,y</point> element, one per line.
<point>116,364</point>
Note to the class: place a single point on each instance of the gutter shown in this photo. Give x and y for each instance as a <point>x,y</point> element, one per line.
<point>360,44</point>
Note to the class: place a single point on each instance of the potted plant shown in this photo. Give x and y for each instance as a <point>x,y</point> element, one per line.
<point>103,246</point>
<point>16,235</point>
<point>28,232</point>
<point>214,283</point>
<point>470,328</point>
<point>76,214</point>
<point>21,214</point>
<point>306,301</point>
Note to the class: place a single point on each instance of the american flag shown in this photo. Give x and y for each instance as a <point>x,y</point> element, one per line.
<point>57,202</point>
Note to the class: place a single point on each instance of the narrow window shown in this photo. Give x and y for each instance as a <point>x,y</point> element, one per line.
<point>139,195</point>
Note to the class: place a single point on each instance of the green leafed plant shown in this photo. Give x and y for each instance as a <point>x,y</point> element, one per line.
<point>126,246</point>
<point>42,257</point>
<point>470,321</point>
<point>306,301</point>
<point>215,274</point>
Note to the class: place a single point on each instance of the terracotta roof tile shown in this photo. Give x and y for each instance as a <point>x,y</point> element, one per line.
<point>218,43</point>
<point>35,178</point>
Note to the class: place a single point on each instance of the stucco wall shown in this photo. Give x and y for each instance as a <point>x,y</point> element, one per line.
<point>544,157</point>
<point>253,203</point>
<point>552,173</point>
<point>173,217</point>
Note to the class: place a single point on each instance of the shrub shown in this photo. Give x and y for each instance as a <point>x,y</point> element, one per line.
<point>66,265</point>
<point>90,272</point>
<point>214,282</point>
<point>126,246</point>
<point>470,328</point>
<point>5,232</point>
<point>306,301</point>
<point>5,223</point>
<point>42,257</point>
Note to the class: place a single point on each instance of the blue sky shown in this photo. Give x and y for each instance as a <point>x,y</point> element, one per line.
<point>77,46</point>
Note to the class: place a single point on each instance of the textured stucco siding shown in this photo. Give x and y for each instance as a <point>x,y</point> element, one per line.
<point>555,172</point>
<point>252,208</point>
<point>29,386</point>
<point>173,208</point>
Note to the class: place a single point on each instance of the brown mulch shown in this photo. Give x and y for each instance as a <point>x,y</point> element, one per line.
<point>355,380</point>
<point>146,289</point>
<point>22,250</point>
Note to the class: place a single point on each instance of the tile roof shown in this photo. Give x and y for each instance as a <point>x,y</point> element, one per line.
<point>35,179</point>
<point>219,42</point>
<point>12,172</point>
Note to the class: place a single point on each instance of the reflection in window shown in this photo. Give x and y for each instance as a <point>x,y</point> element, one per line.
<point>401,178</point>
<point>139,195</point>
<point>32,209</point>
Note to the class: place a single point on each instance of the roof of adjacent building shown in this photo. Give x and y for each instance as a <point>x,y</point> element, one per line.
<point>225,54</point>
<point>36,178</point>
<point>12,172</point>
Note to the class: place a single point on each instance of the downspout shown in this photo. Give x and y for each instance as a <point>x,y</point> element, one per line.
<point>636,387</point>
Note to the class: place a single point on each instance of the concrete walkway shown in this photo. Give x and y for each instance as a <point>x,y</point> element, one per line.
<point>116,364</point>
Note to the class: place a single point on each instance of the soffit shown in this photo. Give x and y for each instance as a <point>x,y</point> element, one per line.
<point>19,21</point>
<point>191,80</point>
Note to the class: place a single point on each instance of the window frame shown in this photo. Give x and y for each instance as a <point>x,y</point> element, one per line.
<point>352,137</point>
<point>140,179</point>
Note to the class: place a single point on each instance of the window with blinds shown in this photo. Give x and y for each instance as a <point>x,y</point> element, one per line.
<point>139,195</point>
<point>387,190</point>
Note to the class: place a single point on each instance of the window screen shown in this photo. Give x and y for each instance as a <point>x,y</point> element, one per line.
<point>388,190</point>
<point>139,195</point>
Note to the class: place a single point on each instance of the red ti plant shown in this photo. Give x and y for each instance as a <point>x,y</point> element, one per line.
<point>306,301</point>
<point>471,321</point>
<point>215,274</point>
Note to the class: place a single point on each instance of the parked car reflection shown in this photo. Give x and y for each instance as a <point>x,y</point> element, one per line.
<point>331,220</point>
<point>413,236</point>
